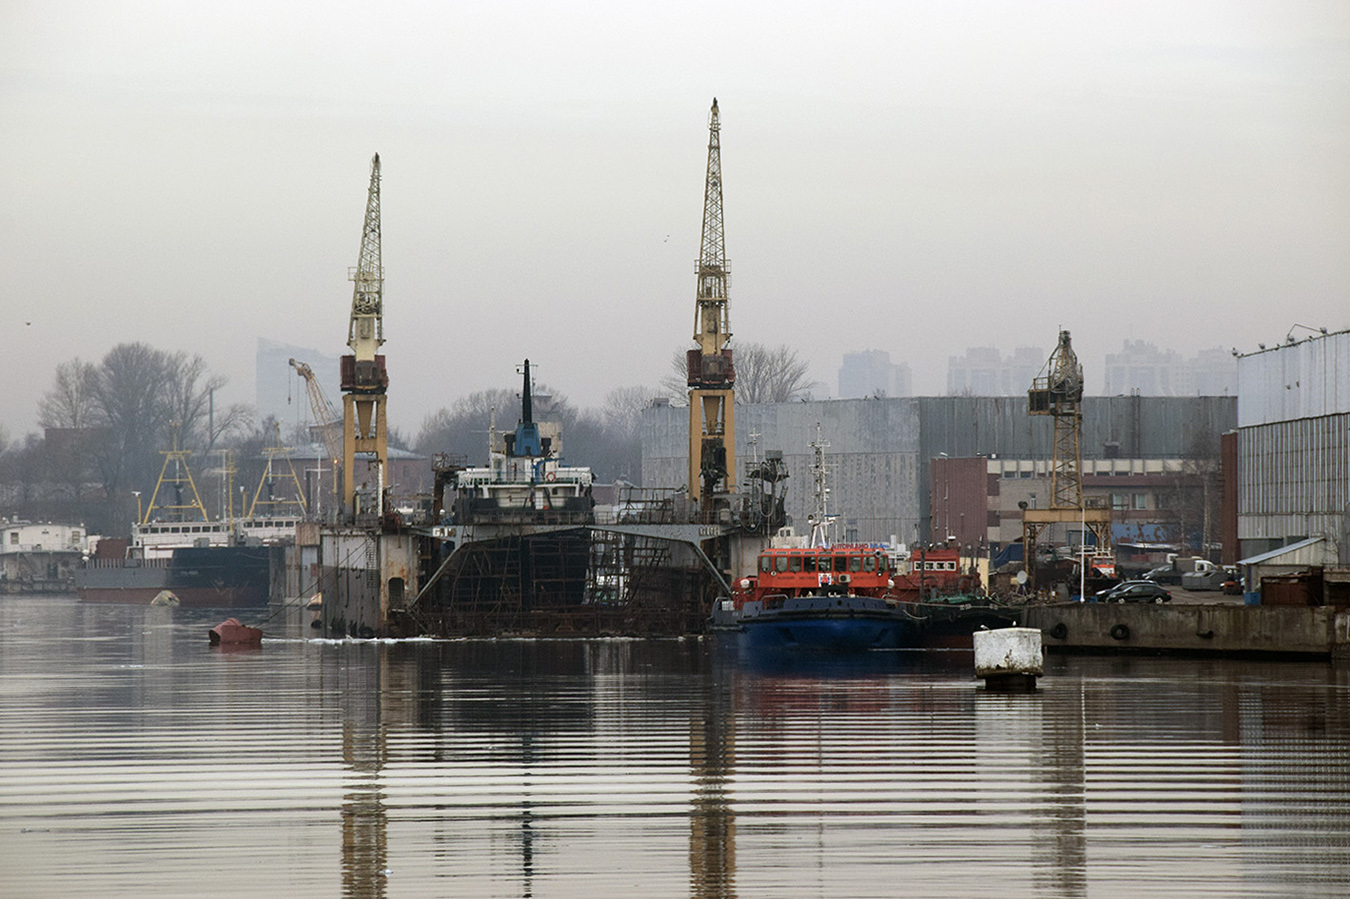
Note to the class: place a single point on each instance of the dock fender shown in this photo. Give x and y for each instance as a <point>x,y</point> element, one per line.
<point>1059,631</point>
<point>1120,632</point>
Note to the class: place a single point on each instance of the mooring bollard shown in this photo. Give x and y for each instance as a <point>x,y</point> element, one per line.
<point>1009,659</point>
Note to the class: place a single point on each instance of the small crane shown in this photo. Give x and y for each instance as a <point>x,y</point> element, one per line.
<point>326,420</point>
<point>1058,392</point>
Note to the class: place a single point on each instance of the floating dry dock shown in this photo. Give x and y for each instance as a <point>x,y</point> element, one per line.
<point>1322,631</point>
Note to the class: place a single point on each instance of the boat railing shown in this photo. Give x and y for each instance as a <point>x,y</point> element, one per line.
<point>127,563</point>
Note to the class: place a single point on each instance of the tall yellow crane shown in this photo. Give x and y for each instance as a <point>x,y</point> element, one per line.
<point>1058,392</point>
<point>364,379</point>
<point>712,429</point>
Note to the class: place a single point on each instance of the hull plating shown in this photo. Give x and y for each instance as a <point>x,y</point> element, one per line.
<point>830,623</point>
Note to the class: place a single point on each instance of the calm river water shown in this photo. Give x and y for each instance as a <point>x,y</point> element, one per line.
<point>137,761</point>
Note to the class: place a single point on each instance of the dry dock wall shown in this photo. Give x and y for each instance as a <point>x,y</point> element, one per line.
<point>1302,630</point>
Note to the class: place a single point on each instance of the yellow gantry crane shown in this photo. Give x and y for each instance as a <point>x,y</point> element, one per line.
<point>272,503</point>
<point>364,379</point>
<point>712,431</point>
<point>186,504</point>
<point>1058,392</point>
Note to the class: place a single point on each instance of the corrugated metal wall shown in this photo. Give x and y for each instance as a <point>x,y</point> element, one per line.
<point>1294,478</point>
<point>1298,380</point>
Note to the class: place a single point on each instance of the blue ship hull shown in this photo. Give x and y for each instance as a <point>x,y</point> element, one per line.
<point>828,623</point>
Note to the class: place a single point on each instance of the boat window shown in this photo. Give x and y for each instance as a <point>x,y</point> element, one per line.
<point>795,562</point>
<point>825,563</point>
<point>841,563</point>
<point>869,563</point>
<point>780,563</point>
<point>809,563</point>
<point>950,566</point>
<point>765,563</point>
<point>855,563</point>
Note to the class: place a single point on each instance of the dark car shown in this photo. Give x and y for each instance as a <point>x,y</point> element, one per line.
<point>1136,591</point>
<point>1164,575</point>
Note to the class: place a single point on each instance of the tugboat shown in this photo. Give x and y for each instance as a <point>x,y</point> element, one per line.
<point>820,596</point>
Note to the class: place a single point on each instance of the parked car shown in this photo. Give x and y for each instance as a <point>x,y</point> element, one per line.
<point>1165,574</point>
<point>1137,591</point>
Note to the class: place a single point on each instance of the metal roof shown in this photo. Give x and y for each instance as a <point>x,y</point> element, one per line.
<point>1281,551</point>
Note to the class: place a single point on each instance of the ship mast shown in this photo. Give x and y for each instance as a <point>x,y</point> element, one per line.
<point>364,379</point>
<point>820,519</point>
<point>712,435</point>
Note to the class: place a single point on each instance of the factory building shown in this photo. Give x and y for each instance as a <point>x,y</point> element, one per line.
<point>1293,446</point>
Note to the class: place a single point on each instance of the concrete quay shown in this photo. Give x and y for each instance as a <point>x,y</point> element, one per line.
<point>1194,628</point>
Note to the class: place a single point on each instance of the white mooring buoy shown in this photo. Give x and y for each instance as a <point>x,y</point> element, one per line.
<point>1009,659</point>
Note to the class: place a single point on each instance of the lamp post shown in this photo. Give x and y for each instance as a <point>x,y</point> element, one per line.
<point>137,494</point>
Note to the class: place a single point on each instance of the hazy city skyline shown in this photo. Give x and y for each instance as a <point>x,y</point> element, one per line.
<point>914,178</point>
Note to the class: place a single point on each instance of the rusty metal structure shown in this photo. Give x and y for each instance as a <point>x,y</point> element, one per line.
<point>712,377</point>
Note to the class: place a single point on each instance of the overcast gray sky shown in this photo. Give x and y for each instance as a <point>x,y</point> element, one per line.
<point>911,177</point>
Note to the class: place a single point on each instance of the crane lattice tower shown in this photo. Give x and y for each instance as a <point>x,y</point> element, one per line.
<point>364,379</point>
<point>1058,393</point>
<point>712,432</point>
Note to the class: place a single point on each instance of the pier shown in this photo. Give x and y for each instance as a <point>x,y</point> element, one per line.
<point>1217,628</point>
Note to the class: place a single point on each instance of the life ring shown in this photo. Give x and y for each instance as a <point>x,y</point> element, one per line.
<point>550,476</point>
<point>1059,631</point>
<point>1120,632</point>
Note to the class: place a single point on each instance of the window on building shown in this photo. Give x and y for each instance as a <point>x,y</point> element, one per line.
<point>1119,501</point>
<point>13,536</point>
<point>1141,500</point>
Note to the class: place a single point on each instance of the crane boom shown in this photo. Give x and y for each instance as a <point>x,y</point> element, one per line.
<point>325,417</point>
<point>712,432</point>
<point>365,332</point>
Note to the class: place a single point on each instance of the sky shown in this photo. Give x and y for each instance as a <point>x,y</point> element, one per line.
<point>911,177</point>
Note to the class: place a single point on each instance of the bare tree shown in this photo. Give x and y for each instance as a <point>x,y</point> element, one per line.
<point>770,374</point>
<point>675,384</point>
<point>189,390</point>
<point>129,406</point>
<point>462,428</point>
<point>623,407</point>
<point>70,403</point>
<point>764,374</point>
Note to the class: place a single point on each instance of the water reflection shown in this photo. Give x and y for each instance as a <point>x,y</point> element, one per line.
<point>134,757</point>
